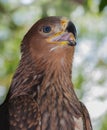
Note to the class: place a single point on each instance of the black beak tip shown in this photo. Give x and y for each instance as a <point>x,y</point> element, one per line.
<point>71,28</point>
<point>72,43</point>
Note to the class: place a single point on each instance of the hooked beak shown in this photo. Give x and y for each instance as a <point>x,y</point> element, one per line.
<point>67,35</point>
<point>72,30</point>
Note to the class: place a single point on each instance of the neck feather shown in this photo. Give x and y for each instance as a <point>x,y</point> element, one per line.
<point>49,83</point>
<point>37,78</point>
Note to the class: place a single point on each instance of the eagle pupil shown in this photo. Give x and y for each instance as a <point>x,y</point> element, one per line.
<point>46,29</point>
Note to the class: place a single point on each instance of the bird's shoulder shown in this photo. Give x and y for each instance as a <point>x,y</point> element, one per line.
<point>21,108</point>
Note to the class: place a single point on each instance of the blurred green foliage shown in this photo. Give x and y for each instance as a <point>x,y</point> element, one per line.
<point>104,124</point>
<point>90,62</point>
<point>102,5</point>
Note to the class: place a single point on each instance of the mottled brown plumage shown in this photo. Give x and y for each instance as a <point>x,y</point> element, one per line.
<point>41,95</point>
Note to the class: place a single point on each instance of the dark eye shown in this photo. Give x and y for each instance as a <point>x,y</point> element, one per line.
<point>46,29</point>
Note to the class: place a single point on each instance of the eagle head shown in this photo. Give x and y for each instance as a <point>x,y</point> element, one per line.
<point>50,38</point>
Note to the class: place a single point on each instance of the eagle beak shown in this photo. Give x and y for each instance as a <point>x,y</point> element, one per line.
<point>72,32</point>
<point>67,35</point>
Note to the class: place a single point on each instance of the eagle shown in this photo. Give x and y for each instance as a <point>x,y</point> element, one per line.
<point>41,95</point>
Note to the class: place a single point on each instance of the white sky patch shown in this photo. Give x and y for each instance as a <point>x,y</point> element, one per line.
<point>26,1</point>
<point>99,92</point>
<point>97,74</point>
<point>83,50</point>
<point>85,47</point>
<point>96,108</point>
<point>78,60</point>
<point>95,92</point>
<point>102,53</point>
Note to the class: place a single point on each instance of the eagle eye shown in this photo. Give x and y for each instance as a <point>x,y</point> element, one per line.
<point>46,29</point>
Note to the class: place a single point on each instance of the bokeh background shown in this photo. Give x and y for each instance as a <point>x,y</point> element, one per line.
<point>90,60</point>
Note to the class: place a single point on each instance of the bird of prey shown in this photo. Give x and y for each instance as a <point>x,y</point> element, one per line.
<point>41,95</point>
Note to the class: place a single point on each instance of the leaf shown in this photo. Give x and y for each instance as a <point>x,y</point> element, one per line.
<point>102,5</point>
